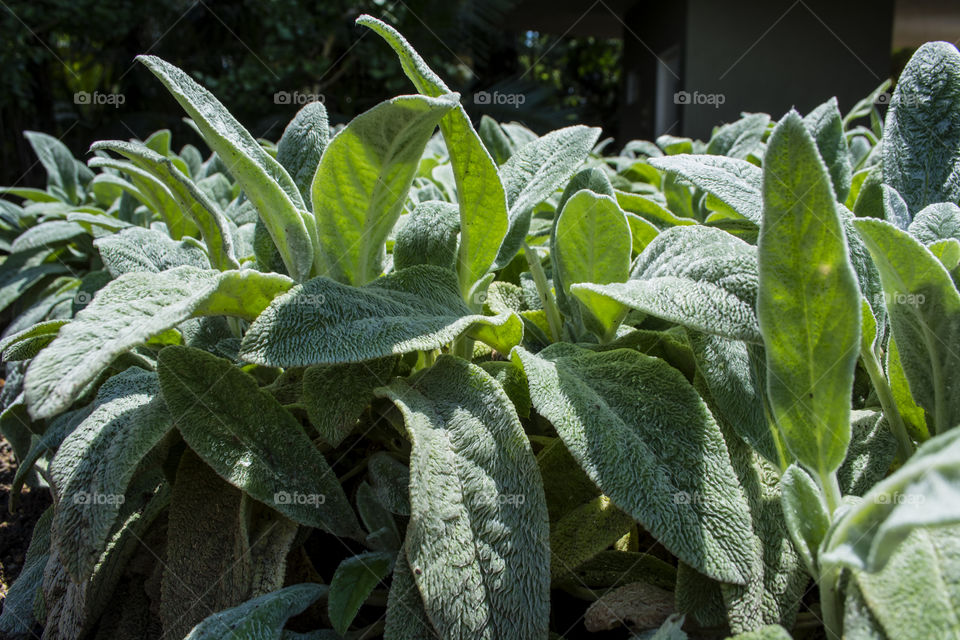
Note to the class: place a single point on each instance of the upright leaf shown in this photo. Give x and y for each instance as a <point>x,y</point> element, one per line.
<point>646,439</point>
<point>353,581</point>
<point>478,536</point>
<point>483,204</point>
<point>380,150</point>
<point>921,137</point>
<point>251,441</point>
<point>825,125</point>
<point>302,145</point>
<point>924,309</point>
<point>264,180</point>
<point>534,172</point>
<point>808,303</point>
<point>57,160</point>
<point>593,244</point>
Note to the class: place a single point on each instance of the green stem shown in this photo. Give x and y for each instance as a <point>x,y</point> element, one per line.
<point>887,403</point>
<point>463,347</point>
<point>831,490</point>
<point>546,296</point>
<point>831,609</point>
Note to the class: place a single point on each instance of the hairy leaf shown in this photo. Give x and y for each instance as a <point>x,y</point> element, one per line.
<point>302,144</point>
<point>697,276</point>
<point>139,249</point>
<point>354,580</point>
<point>809,301</point>
<point>128,311</point>
<point>924,309</point>
<point>251,441</point>
<point>96,462</point>
<point>478,538</point>
<point>921,137</point>
<point>264,180</point>
<point>325,322</point>
<point>736,183</point>
<point>641,433</point>
<point>261,618</point>
<point>482,201</point>
<point>379,150</point>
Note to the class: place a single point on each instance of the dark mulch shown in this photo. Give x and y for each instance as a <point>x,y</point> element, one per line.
<point>15,528</point>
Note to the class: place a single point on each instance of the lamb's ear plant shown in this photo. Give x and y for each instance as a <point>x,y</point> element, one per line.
<point>381,380</point>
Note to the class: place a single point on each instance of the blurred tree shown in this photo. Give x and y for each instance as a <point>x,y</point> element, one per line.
<point>246,51</point>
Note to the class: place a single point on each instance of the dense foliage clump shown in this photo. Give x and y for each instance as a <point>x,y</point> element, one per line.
<point>487,384</point>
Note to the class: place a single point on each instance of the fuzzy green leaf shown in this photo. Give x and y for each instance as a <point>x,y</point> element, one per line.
<point>130,310</point>
<point>924,492</point>
<point>379,150</point>
<point>593,244</point>
<point>478,537</point>
<point>697,276</point>
<point>924,309</point>
<point>139,249</point>
<point>482,202</point>
<point>96,462</point>
<point>302,145</point>
<point>806,514</point>
<point>809,301</point>
<point>627,418</point>
<point>736,183</point>
<point>354,580</point>
<point>325,322</point>
<point>921,137</point>
<point>935,222</point>
<point>264,180</point>
<point>251,441</point>
<point>260,618</point>
<point>825,125</point>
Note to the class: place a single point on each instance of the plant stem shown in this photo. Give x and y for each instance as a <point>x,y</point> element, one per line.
<point>463,347</point>
<point>546,296</point>
<point>887,403</point>
<point>831,490</point>
<point>831,608</point>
